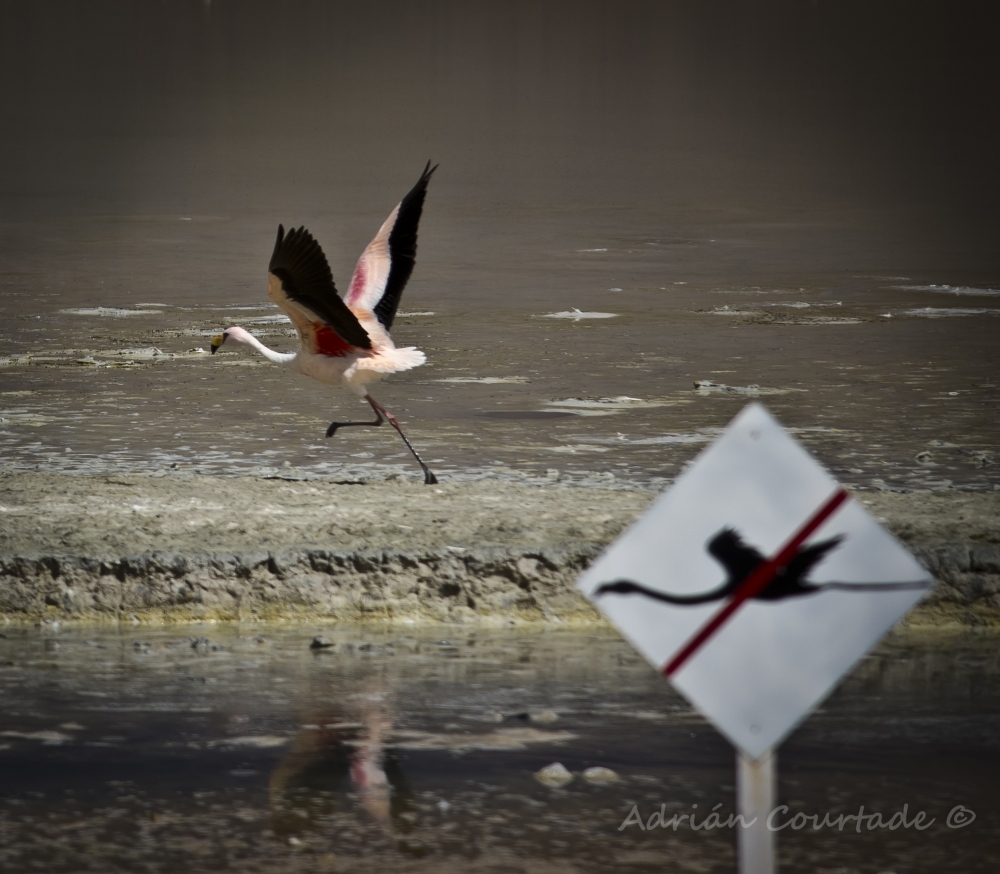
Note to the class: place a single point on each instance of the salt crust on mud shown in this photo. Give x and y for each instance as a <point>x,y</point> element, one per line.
<point>181,548</point>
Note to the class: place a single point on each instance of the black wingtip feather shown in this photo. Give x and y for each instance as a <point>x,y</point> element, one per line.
<point>403,247</point>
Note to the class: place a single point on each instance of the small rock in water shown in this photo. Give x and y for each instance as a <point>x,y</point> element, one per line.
<point>600,776</point>
<point>320,642</point>
<point>544,716</point>
<point>554,776</point>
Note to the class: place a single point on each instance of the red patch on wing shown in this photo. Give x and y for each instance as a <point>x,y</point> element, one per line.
<point>329,342</point>
<point>357,283</point>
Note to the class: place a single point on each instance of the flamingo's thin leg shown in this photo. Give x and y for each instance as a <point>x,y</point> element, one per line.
<point>380,411</point>
<point>335,425</point>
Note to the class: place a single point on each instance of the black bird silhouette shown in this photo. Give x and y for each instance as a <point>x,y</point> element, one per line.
<point>741,560</point>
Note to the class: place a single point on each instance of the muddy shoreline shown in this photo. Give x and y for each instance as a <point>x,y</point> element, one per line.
<point>181,548</point>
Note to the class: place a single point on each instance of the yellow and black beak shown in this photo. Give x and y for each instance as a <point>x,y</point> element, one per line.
<point>217,341</point>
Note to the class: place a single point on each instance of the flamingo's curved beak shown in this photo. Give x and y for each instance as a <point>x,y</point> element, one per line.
<point>217,341</point>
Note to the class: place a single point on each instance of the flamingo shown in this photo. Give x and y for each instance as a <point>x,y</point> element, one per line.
<point>345,341</point>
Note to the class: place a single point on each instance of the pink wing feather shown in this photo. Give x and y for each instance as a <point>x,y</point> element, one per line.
<point>387,262</point>
<point>372,270</point>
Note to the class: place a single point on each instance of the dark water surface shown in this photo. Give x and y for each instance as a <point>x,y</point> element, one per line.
<point>796,202</point>
<point>242,749</point>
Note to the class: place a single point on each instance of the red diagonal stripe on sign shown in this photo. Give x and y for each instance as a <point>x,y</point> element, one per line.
<point>756,582</point>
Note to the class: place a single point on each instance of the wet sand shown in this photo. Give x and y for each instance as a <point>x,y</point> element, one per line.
<point>890,383</point>
<point>182,547</point>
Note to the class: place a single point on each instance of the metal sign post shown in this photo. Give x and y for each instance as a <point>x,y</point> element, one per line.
<point>754,584</point>
<point>756,793</point>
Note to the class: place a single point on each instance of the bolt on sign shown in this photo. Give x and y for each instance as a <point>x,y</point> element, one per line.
<point>754,583</point>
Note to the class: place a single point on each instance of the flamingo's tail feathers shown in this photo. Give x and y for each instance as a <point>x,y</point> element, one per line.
<point>393,360</point>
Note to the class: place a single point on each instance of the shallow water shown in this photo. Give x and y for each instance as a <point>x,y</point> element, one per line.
<point>823,240</point>
<point>887,393</point>
<point>213,748</point>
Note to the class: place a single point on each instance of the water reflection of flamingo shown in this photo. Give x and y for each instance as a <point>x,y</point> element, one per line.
<point>345,341</point>
<point>741,560</point>
<point>340,748</point>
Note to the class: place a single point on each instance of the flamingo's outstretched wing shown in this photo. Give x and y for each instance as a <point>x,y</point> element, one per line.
<point>300,282</point>
<point>808,557</point>
<point>387,262</point>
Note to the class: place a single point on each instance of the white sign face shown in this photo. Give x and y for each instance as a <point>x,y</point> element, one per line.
<point>675,583</point>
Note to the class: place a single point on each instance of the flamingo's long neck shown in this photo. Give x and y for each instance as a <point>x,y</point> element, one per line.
<point>249,339</point>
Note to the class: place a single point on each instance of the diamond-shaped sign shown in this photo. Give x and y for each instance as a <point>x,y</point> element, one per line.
<point>754,583</point>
